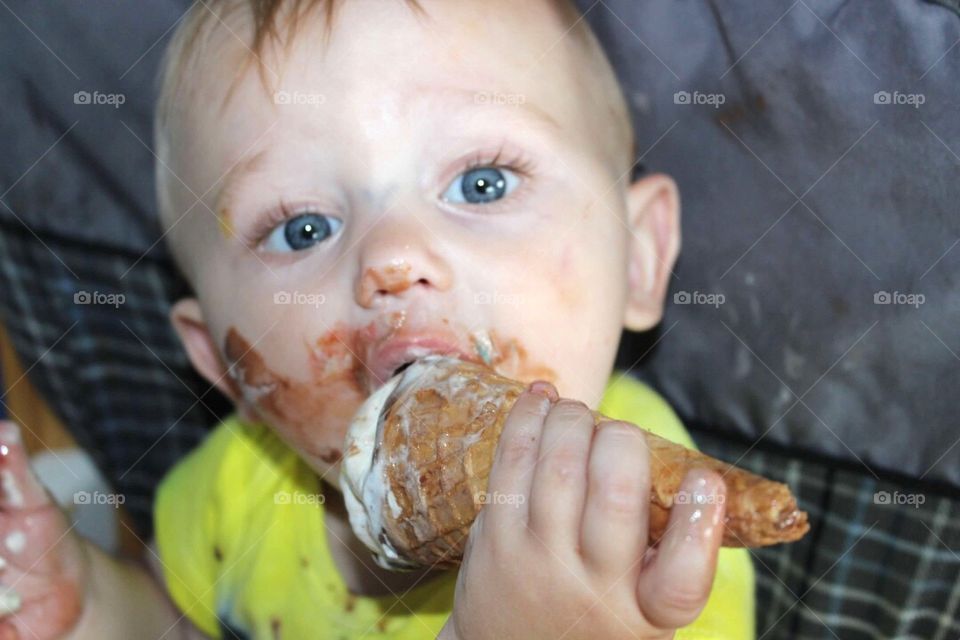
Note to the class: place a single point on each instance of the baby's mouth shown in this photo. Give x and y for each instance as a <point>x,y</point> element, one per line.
<point>398,351</point>
<point>402,367</point>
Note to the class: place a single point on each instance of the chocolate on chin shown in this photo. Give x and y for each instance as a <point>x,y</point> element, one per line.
<point>420,448</point>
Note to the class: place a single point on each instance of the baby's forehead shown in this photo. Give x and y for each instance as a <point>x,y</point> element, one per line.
<point>534,59</point>
<point>529,53</point>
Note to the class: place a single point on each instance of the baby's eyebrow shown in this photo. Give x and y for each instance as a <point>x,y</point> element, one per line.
<point>237,174</point>
<point>516,103</point>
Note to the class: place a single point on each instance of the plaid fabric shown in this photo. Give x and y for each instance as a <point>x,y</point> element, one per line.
<point>882,559</point>
<point>111,368</point>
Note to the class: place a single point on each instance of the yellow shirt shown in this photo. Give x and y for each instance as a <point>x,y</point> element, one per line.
<point>241,538</point>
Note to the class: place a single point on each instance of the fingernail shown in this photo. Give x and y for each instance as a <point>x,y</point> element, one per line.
<point>700,501</point>
<point>545,389</point>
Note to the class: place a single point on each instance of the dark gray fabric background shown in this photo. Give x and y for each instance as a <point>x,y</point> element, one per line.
<point>96,184</point>
<point>802,199</point>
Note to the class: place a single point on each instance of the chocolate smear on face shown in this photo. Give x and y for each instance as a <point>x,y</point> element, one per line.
<point>312,415</point>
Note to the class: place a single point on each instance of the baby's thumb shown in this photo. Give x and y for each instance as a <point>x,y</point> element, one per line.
<point>19,487</point>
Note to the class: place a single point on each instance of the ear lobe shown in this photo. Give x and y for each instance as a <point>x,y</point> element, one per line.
<point>188,321</point>
<point>653,216</point>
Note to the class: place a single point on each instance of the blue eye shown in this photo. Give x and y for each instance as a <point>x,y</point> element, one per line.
<point>481,185</point>
<point>301,232</point>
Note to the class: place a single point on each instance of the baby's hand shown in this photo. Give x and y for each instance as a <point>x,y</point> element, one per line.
<point>42,563</point>
<point>560,549</point>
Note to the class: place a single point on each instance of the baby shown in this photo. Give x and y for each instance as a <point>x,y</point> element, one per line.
<point>349,186</point>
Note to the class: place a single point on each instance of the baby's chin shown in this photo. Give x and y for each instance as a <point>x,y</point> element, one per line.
<point>323,459</point>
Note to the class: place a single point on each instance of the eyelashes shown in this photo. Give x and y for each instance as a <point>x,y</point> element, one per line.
<point>516,161</point>
<point>269,220</point>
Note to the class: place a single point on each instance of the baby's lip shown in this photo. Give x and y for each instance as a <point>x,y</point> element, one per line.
<point>386,357</point>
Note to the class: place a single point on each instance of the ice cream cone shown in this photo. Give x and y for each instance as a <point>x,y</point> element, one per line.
<point>419,453</point>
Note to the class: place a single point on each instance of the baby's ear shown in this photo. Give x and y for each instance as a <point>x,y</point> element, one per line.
<point>187,318</point>
<point>653,216</point>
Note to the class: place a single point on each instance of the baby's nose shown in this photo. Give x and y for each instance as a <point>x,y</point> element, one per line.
<point>391,265</point>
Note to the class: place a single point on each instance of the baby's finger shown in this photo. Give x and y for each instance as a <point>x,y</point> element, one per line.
<point>557,494</point>
<point>614,531</point>
<point>49,613</point>
<point>516,455</point>
<point>8,631</point>
<point>19,487</point>
<point>673,590</point>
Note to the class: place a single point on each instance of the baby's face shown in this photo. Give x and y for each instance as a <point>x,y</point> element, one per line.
<point>417,184</point>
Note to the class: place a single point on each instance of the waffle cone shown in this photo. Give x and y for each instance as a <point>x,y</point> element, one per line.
<point>436,444</point>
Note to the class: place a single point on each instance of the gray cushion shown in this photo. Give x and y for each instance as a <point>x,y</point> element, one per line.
<point>809,199</point>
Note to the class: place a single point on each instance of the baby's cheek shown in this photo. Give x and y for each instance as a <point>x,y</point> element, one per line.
<point>560,272</point>
<point>312,415</point>
<point>578,317</point>
<point>569,283</point>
